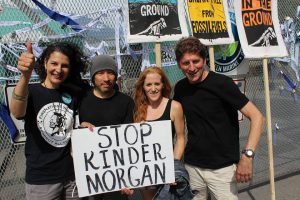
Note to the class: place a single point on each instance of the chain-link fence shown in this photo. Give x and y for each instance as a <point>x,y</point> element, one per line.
<point>106,35</point>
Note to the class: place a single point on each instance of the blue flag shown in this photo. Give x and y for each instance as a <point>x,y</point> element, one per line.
<point>64,20</point>
<point>4,115</point>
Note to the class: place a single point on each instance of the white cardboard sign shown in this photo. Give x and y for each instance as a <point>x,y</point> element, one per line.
<point>21,136</point>
<point>130,155</point>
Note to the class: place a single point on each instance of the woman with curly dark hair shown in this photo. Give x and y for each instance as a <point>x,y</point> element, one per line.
<point>48,109</point>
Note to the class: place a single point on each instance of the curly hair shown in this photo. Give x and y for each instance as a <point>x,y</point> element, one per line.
<point>78,61</point>
<point>190,44</point>
<point>140,98</point>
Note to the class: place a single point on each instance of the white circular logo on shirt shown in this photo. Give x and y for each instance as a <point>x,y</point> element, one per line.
<point>55,121</point>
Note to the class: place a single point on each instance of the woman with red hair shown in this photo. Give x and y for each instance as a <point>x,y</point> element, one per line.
<point>152,103</point>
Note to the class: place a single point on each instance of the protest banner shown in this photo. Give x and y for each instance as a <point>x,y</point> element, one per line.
<point>20,137</point>
<point>260,37</point>
<point>229,58</point>
<point>155,21</point>
<point>130,155</point>
<point>259,29</point>
<point>210,22</point>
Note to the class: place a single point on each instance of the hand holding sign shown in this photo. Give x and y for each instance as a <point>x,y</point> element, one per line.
<point>87,125</point>
<point>127,191</point>
<point>26,61</point>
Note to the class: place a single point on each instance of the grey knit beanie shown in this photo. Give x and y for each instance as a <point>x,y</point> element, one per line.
<point>103,62</point>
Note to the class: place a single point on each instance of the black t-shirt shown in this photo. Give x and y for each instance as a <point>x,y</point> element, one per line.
<point>48,121</point>
<point>210,108</point>
<point>117,109</point>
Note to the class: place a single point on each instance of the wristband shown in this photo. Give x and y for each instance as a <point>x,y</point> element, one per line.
<point>19,97</point>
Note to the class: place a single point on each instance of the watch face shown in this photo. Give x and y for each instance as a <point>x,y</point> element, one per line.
<point>249,153</point>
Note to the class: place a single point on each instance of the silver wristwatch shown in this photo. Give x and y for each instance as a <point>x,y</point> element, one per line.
<point>249,153</point>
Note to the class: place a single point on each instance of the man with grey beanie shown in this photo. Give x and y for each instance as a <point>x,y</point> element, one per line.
<point>104,106</point>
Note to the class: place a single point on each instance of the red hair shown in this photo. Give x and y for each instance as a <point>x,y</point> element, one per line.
<point>140,98</point>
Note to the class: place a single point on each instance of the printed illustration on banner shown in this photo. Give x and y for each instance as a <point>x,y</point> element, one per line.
<point>258,23</point>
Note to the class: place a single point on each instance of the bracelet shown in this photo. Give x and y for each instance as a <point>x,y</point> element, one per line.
<point>19,97</point>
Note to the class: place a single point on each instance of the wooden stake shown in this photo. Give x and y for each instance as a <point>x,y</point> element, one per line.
<point>269,128</point>
<point>158,54</point>
<point>211,58</point>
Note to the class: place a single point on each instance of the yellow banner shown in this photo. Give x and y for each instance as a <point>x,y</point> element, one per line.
<point>207,19</point>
